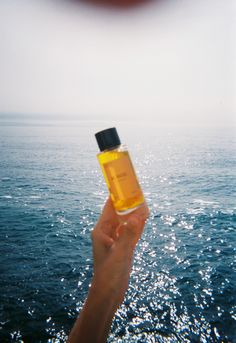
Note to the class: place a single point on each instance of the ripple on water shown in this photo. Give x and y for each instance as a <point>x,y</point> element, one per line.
<point>182,286</point>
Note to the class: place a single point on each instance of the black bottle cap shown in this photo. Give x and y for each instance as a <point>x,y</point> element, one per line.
<point>107,139</point>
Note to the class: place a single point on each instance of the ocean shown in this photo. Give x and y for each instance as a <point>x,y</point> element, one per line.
<point>183,283</point>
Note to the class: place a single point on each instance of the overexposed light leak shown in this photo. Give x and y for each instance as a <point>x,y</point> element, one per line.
<point>172,62</point>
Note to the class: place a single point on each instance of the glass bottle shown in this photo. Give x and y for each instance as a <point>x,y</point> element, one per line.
<point>118,171</point>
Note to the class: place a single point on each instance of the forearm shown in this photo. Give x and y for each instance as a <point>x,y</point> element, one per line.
<point>95,319</point>
<point>105,295</point>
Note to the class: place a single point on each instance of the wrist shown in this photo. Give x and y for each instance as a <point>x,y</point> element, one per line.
<point>105,290</point>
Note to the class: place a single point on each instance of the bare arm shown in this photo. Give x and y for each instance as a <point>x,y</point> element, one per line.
<point>114,242</point>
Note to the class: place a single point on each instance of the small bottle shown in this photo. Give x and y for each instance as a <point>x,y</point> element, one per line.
<point>118,171</point>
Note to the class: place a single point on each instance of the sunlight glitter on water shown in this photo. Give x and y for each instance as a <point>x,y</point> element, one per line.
<point>182,286</point>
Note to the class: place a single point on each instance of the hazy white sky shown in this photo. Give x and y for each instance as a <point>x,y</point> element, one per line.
<point>171,61</point>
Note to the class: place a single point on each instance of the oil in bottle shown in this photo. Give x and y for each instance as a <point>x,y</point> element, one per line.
<point>118,171</point>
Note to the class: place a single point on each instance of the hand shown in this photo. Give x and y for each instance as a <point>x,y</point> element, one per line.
<point>114,239</point>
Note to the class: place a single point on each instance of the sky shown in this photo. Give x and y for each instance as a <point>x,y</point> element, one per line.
<point>172,62</point>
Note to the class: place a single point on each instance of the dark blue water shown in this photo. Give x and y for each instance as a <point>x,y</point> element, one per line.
<point>183,284</point>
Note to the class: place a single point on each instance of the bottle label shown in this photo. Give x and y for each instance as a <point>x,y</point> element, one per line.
<point>122,178</point>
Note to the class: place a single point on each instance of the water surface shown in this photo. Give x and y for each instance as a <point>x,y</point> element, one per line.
<point>182,287</point>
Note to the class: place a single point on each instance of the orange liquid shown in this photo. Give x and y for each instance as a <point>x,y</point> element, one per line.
<point>121,179</point>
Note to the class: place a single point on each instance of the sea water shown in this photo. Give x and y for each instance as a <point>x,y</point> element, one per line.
<point>183,284</point>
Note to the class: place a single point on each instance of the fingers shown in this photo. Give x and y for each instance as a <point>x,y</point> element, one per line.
<point>107,227</point>
<point>108,209</point>
<point>113,225</point>
<point>131,230</point>
<point>108,213</point>
<point>102,238</point>
<point>142,212</point>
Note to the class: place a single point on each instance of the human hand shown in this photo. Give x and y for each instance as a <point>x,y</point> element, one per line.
<point>114,239</point>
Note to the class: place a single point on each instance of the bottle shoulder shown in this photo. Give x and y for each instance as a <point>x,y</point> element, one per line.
<point>110,155</point>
